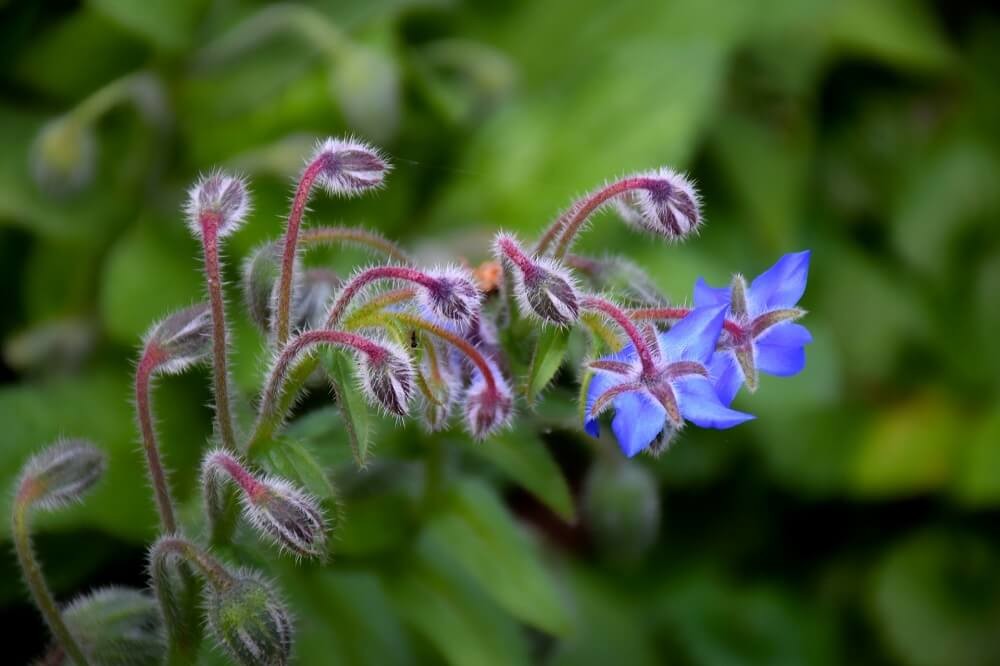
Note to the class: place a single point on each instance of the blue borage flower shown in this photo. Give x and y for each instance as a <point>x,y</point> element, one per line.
<point>678,389</point>
<point>761,335</point>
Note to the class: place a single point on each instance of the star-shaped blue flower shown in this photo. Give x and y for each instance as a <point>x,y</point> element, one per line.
<point>678,389</point>
<point>761,334</point>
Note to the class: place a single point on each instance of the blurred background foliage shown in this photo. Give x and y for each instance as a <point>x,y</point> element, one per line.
<point>853,522</point>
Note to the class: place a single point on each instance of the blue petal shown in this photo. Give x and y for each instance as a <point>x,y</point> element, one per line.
<point>780,361</point>
<point>639,419</point>
<point>786,334</point>
<point>699,404</point>
<point>599,383</point>
<point>780,350</point>
<point>780,286</point>
<point>706,295</point>
<point>694,337</point>
<point>726,375</point>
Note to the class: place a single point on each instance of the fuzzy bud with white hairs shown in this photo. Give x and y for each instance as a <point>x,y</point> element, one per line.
<point>219,199</point>
<point>349,167</point>
<point>667,204</point>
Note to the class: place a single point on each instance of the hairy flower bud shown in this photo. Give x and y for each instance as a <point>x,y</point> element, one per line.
<point>117,626</point>
<point>250,621</point>
<point>453,297</point>
<point>260,280</point>
<point>182,339</point>
<point>274,507</point>
<point>64,156</point>
<point>388,379</point>
<point>61,474</point>
<point>666,204</point>
<point>542,286</point>
<point>348,167</point>
<point>314,296</point>
<point>440,379</point>
<point>488,408</point>
<point>219,199</point>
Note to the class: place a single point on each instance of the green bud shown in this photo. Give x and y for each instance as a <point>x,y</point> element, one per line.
<point>117,626</point>
<point>61,474</point>
<point>249,620</point>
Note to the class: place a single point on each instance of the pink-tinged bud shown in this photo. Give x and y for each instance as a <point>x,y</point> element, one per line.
<point>182,339</point>
<point>348,167</point>
<point>274,507</point>
<point>452,295</point>
<point>544,289</point>
<point>387,378</point>
<point>488,405</point>
<point>218,199</point>
<point>666,203</point>
<point>60,475</point>
<point>249,620</point>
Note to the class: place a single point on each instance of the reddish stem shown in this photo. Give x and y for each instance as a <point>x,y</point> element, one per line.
<point>458,342</point>
<point>297,346</point>
<point>618,315</point>
<point>569,223</point>
<point>151,359</point>
<point>223,416</point>
<point>362,279</point>
<point>299,203</point>
<point>513,252</point>
<point>243,478</point>
<point>674,314</point>
<point>358,237</point>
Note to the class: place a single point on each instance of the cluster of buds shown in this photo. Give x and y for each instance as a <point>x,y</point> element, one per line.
<point>443,336</point>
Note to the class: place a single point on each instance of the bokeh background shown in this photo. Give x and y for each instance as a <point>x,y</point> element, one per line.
<point>855,521</point>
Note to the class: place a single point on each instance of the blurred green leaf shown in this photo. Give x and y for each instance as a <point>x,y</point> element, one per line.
<point>480,536</point>
<point>978,480</point>
<point>910,448</point>
<point>167,24</point>
<point>526,461</point>
<point>445,606</point>
<point>899,32</point>
<point>935,599</point>
<point>150,272</point>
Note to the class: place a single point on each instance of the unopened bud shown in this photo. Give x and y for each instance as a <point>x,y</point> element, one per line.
<point>667,205</point>
<point>454,297</point>
<point>487,408</point>
<point>348,167</point>
<point>387,379</point>
<point>274,507</point>
<point>261,271</point>
<point>63,156</point>
<point>250,621</point>
<point>314,297</point>
<point>440,380</point>
<point>117,626</point>
<point>183,338</point>
<point>543,288</point>
<point>218,199</point>
<point>61,474</point>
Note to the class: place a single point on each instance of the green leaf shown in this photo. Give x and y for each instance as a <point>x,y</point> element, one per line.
<point>526,461</point>
<point>168,24</point>
<point>293,461</point>
<point>447,608</point>
<point>978,480</point>
<point>482,538</point>
<point>550,350</point>
<point>357,419</point>
<point>345,617</point>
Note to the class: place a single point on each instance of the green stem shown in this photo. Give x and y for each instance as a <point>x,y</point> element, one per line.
<point>39,588</point>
